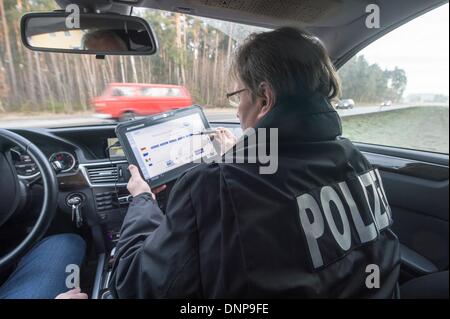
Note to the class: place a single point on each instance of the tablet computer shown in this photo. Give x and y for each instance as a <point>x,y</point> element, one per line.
<point>165,145</point>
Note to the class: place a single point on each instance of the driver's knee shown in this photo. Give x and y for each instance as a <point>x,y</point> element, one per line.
<point>68,245</point>
<point>43,271</point>
<point>58,251</point>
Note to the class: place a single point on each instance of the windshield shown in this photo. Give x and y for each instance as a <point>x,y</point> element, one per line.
<point>39,89</point>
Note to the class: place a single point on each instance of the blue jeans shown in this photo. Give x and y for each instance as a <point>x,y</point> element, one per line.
<point>41,273</point>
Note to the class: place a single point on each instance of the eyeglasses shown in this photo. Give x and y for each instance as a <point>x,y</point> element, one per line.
<point>234,98</point>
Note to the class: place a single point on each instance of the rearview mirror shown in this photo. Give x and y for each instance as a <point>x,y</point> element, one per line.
<point>100,34</point>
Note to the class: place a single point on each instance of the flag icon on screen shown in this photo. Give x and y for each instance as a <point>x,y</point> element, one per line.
<point>143,149</point>
<point>145,154</point>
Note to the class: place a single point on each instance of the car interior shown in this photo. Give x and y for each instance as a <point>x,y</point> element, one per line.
<point>46,172</point>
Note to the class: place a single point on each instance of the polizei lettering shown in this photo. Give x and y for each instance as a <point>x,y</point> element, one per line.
<point>337,218</point>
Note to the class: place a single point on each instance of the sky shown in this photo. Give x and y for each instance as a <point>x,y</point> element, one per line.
<point>421,48</point>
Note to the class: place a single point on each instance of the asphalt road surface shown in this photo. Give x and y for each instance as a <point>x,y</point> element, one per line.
<point>227,115</point>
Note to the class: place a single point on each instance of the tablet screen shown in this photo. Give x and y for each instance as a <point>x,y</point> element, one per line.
<point>165,146</point>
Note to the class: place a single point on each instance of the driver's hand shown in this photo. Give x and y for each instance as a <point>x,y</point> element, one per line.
<point>137,185</point>
<point>72,294</point>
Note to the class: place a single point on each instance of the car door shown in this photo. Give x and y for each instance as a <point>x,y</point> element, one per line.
<point>416,184</point>
<point>409,141</point>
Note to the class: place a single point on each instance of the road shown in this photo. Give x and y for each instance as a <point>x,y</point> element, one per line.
<point>215,115</point>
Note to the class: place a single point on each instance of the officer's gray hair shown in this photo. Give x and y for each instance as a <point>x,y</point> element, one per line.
<point>286,58</point>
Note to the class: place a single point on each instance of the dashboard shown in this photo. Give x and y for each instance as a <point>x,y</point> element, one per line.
<point>67,148</point>
<point>27,168</point>
<point>91,170</point>
<point>89,164</point>
<point>62,159</point>
<point>75,147</point>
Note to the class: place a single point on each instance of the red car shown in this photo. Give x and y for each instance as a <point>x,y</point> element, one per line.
<point>126,100</point>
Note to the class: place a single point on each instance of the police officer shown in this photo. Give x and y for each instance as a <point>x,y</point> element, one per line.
<point>317,224</point>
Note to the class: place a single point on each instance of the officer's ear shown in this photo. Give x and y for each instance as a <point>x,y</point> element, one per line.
<point>266,99</point>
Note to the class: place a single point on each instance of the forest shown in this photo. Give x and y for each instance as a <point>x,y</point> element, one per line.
<point>194,52</point>
<point>368,83</point>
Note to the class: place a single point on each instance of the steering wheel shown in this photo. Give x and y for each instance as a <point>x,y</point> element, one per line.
<point>12,189</point>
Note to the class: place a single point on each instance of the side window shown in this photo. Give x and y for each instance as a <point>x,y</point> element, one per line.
<point>122,91</point>
<point>399,86</point>
<point>156,92</point>
<point>173,92</point>
<point>148,92</point>
<point>145,92</point>
<point>161,91</point>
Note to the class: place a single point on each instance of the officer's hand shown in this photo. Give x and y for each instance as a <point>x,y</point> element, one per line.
<point>72,294</point>
<point>136,185</point>
<point>224,138</point>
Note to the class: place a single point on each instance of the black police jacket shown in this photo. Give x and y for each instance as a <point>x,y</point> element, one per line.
<point>314,224</point>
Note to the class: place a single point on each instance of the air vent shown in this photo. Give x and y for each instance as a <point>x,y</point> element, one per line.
<point>102,174</point>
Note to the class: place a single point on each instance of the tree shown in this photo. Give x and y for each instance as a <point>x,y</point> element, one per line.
<point>3,87</point>
<point>368,83</point>
<point>398,83</point>
<point>7,48</point>
<point>194,52</point>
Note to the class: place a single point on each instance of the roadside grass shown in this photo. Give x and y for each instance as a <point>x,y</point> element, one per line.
<point>422,128</point>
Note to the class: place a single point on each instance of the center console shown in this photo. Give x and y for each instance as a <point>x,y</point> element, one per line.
<point>110,202</point>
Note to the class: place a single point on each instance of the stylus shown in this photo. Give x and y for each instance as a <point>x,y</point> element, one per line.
<point>206,132</point>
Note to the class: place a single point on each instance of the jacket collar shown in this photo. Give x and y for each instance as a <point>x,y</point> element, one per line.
<point>303,117</point>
